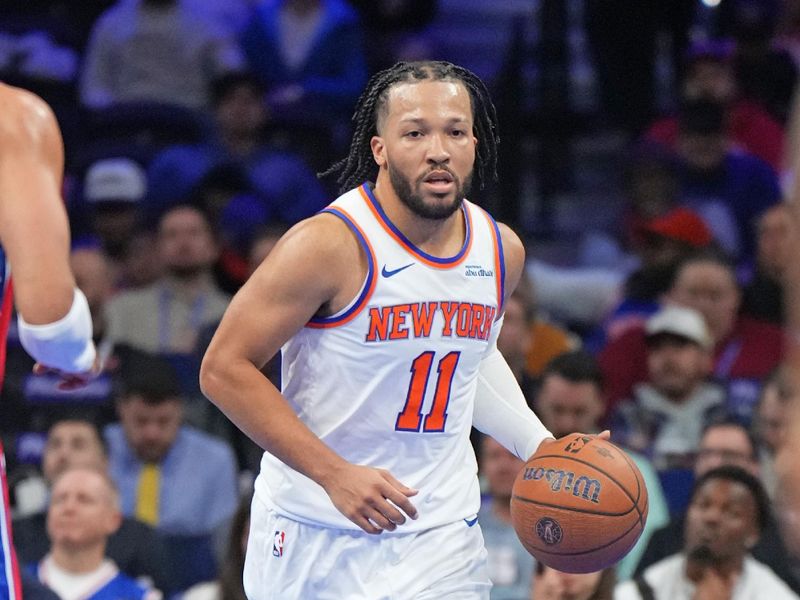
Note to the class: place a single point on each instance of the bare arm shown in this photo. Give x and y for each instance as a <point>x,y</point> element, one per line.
<point>33,223</point>
<point>310,268</point>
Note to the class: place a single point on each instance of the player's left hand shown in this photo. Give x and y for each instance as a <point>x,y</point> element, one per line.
<point>603,435</point>
<point>71,381</point>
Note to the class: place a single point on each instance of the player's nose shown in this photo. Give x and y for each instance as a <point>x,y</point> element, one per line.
<point>437,150</point>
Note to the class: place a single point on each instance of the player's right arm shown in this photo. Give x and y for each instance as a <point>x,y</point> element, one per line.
<point>55,325</point>
<point>316,268</point>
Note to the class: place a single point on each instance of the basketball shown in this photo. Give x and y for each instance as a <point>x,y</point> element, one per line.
<point>579,504</point>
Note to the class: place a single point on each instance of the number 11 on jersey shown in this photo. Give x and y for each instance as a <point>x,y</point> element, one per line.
<point>410,418</point>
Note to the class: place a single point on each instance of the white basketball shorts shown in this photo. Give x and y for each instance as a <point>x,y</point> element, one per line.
<point>290,560</point>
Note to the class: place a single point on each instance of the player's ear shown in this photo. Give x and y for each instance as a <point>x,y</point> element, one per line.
<point>378,150</point>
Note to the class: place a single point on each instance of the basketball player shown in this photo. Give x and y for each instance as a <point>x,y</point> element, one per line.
<point>386,306</point>
<point>54,323</point>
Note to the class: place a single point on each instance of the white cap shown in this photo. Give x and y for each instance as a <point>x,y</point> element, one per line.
<point>680,321</point>
<point>115,180</point>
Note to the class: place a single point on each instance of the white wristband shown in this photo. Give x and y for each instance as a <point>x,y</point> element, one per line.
<point>66,344</point>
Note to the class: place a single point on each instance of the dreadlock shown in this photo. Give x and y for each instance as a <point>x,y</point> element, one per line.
<point>359,165</point>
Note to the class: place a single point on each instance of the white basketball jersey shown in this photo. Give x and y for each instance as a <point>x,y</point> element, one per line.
<point>390,381</point>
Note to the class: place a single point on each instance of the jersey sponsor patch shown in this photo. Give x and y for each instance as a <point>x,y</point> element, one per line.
<point>478,271</point>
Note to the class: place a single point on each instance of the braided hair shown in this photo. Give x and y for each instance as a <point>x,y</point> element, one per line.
<point>359,164</point>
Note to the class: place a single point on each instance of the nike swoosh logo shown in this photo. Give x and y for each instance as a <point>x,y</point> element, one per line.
<point>471,522</point>
<point>387,273</point>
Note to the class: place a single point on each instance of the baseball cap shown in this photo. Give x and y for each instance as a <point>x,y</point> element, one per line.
<point>682,225</point>
<point>115,180</point>
<point>682,322</point>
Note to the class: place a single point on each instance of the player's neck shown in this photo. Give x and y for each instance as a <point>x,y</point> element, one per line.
<point>438,237</point>
<point>78,560</point>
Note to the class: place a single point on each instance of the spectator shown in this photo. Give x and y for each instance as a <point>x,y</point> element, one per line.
<point>728,189</point>
<point>113,190</point>
<point>769,426</point>
<point>283,184</point>
<point>141,263</point>
<point>95,278</point>
<point>549,584</point>
<point>310,55</point>
<point>135,548</point>
<point>154,51</point>
<point>229,586</point>
<point>528,341</point>
<point>516,338</point>
<point>745,350</point>
<point>570,399</point>
<point>724,444</point>
<point>263,242</point>
<point>171,476</point>
<point>766,72</point>
<point>392,27</point>
<point>763,295</point>
<point>665,417</point>
<point>727,513</point>
<point>710,76</point>
<point>167,315</point>
<point>663,242</point>
<point>83,513</point>
<point>510,565</point>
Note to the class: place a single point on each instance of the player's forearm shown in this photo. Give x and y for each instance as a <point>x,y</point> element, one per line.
<point>502,412</point>
<point>256,406</point>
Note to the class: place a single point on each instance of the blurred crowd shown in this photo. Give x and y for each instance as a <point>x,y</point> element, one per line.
<point>194,130</point>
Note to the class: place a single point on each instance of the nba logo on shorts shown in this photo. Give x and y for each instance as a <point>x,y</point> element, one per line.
<point>277,544</point>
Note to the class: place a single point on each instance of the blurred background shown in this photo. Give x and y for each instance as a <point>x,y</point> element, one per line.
<point>645,153</point>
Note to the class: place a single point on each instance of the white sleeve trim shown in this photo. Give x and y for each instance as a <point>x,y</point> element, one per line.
<point>65,344</point>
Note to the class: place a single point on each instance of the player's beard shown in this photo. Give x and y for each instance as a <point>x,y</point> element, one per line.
<point>412,196</point>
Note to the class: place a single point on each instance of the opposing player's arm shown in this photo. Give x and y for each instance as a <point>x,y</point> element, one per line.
<point>500,407</point>
<point>54,322</point>
<point>33,223</point>
<point>317,266</point>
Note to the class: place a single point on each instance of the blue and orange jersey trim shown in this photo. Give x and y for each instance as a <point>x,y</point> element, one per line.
<point>400,238</point>
<point>353,310</point>
<point>10,583</point>
<point>499,262</point>
<point>6,308</point>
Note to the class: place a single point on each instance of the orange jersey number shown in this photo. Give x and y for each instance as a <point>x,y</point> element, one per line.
<point>410,418</point>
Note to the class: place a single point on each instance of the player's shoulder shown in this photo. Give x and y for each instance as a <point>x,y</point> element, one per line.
<point>511,241</point>
<point>513,255</point>
<point>324,235</point>
<point>24,116</point>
